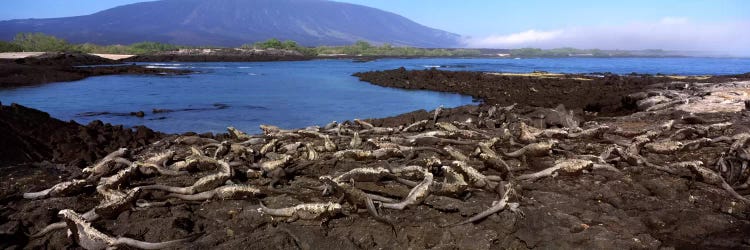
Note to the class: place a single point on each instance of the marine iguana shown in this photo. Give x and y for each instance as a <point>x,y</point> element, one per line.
<point>364,124</point>
<point>59,190</point>
<point>404,150</point>
<point>122,176</point>
<point>416,196</point>
<point>456,154</point>
<point>631,154</point>
<point>331,125</point>
<point>486,147</point>
<point>561,166</point>
<point>149,168</point>
<point>90,215</point>
<point>446,126</point>
<point>525,134</point>
<point>387,153</point>
<point>465,134</point>
<point>497,206</point>
<point>194,140</point>
<point>497,163</point>
<point>205,183</point>
<point>194,161</point>
<point>664,146</point>
<point>222,150</point>
<point>237,134</point>
<point>308,211</point>
<point>453,184</point>
<point>473,176</point>
<point>161,158</point>
<point>534,149</point>
<point>689,132</point>
<point>328,145</point>
<point>436,114</point>
<point>340,130</point>
<point>356,154</point>
<point>740,140</point>
<point>365,174</point>
<point>708,176</point>
<point>596,132</point>
<point>417,126</point>
<point>682,168</point>
<point>356,142</point>
<point>432,163</point>
<point>311,154</point>
<point>355,197</point>
<point>310,133</point>
<point>669,146</point>
<point>91,238</point>
<point>379,131</point>
<point>269,147</point>
<point>228,192</point>
<point>291,148</point>
<point>105,165</point>
<point>410,172</point>
<point>115,201</point>
<point>270,129</point>
<point>271,165</point>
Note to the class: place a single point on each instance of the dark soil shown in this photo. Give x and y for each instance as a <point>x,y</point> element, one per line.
<point>638,207</point>
<point>63,67</point>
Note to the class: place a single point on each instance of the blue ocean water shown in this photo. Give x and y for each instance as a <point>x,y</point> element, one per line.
<point>297,94</point>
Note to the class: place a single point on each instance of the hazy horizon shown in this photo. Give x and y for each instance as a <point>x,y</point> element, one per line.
<point>704,26</point>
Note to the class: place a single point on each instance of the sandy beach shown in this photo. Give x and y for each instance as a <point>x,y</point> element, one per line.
<point>17,55</point>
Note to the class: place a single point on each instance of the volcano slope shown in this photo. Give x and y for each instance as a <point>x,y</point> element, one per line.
<point>653,162</point>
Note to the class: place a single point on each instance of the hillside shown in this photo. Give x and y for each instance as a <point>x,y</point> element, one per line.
<point>236,22</point>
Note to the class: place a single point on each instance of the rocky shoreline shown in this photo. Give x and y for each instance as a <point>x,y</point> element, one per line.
<point>563,161</point>
<point>62,67</point>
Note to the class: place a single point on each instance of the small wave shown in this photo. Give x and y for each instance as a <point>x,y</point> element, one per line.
<point>105,113</point>
<point>431,66</point>
<point>163,67</point>
<point>244,67</point>
<point>166,64</point>
<point>256,107</point>
<point>252,74</point>
<point>90,114</point>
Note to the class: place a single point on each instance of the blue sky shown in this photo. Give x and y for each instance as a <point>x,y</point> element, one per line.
<point>670,24</point>
<point>478,18</point>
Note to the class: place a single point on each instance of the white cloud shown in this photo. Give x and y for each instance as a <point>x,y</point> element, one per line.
<point>529,36</point>
<point>670,33</point>
<point>673,20</point>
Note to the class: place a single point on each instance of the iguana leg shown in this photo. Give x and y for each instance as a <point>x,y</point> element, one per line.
<point>293,218</point>
<point>381,198</point>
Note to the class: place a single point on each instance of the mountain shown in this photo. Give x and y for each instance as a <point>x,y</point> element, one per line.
<point>236,22</point>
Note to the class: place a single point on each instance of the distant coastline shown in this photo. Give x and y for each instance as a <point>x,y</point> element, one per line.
<point>62,67</point>
<point>32,68</point>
